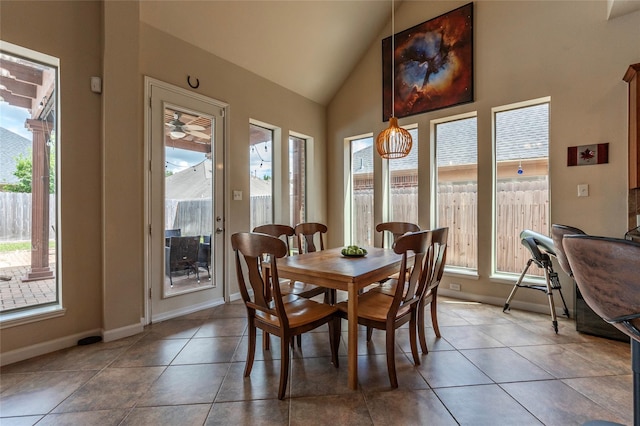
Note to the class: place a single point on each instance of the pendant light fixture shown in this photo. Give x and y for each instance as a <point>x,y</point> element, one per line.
<point>394,142</point>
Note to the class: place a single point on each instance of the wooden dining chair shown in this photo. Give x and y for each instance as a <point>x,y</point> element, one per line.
<point>284,232</point>
<point>301,289</point>
<point>308,233</point>
<point>284,316</point>
<point>378,310</point>
<point>438,254</point>
<point>396,229</point>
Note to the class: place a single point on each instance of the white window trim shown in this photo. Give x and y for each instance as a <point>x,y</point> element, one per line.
<point>433,179</point>
<point>495,276</point>
<point>348,185</point>
<point>42,312</point>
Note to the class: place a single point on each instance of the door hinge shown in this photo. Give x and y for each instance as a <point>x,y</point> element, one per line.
<point>149,101</point>
<point>149,229</point>
<point>149,292</point>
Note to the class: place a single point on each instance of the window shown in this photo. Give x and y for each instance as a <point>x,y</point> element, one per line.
<point>521,188</point>
<point>261,179</point>
<point>361,212</point>
<point>297,180</point>
<point>29,226</point>
<point>402,205</point>
<point>456,191</point>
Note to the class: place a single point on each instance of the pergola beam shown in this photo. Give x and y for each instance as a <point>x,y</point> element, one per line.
<point>22,72</point>
<point>19,101</point>
<point>19,88</point>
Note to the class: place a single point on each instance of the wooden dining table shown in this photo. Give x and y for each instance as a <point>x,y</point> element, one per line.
<point>330,269</point>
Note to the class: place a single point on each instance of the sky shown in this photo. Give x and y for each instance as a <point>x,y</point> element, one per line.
<point>12,118</point>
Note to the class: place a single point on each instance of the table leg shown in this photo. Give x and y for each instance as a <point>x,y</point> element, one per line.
<point>352,317</point>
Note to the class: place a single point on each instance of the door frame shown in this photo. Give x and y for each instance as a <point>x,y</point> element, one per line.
<point>150,82</point>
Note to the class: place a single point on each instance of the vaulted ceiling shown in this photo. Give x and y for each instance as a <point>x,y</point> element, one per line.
<point>307,46</point>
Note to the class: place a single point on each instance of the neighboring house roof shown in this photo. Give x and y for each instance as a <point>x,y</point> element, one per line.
<point>11,146</point>
<point>195,183</point>
<point>523,134</point>
<point>191,183</point>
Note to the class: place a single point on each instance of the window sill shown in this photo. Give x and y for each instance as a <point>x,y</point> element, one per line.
<point>14,319</point>
<point>469,274</point>
<point>512,279</point>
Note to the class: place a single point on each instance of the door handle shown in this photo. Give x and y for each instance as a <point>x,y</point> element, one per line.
<point>219,230</point>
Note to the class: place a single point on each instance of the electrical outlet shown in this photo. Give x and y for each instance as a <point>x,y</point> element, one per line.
<point>454,286</point>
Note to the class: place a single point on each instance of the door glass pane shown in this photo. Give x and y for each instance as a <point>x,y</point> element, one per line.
<point>522,183</point>
<point>297,182</point>
<point>188,218</point>
<point>362,226</point>
<point>261,183</point>
<point>457,189</point>
<point>28,180</point>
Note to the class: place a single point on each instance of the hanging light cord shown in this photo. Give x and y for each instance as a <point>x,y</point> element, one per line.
<point>393,59</point>
<point>394,142</point>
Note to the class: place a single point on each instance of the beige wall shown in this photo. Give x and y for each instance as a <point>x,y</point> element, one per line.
<point>564,50</point>
<point>250,98</point>
<point>103,225</point>
<point>70,31</point>
<point>523,50</point>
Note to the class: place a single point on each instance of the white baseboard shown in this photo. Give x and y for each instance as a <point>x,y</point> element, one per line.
<point>491,300</point>
<point>188,310</point>
<point>122,332</point>
<point>45,347</point>
<point>237,296</point>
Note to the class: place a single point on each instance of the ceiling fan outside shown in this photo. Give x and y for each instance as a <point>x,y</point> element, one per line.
<point>179,129</point>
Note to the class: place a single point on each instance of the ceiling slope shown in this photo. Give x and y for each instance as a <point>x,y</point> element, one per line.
<point>306,46</point>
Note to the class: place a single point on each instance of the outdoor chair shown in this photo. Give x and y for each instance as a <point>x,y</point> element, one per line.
<point>168,233</point>
<point>284,316</point>
<point>204,254</point>
<point>183,256</point>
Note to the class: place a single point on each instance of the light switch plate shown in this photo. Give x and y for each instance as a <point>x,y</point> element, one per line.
<point>237,195</point>
<point>583,190</point>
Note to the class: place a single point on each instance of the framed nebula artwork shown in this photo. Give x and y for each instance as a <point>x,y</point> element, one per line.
<point>433,65</point>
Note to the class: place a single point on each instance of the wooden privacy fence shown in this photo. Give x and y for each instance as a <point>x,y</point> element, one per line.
<point>193,217</point>
<point>15,216</point>
<point>520,205</point>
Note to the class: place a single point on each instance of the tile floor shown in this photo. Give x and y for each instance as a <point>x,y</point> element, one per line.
<point>489,368</point>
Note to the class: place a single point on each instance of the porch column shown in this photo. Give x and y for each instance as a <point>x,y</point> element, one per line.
<point>40,269</point>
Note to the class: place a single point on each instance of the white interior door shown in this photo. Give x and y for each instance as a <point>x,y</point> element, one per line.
<point>185,187</point>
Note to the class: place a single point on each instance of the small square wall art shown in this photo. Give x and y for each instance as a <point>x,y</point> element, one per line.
<point>585,155</point>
